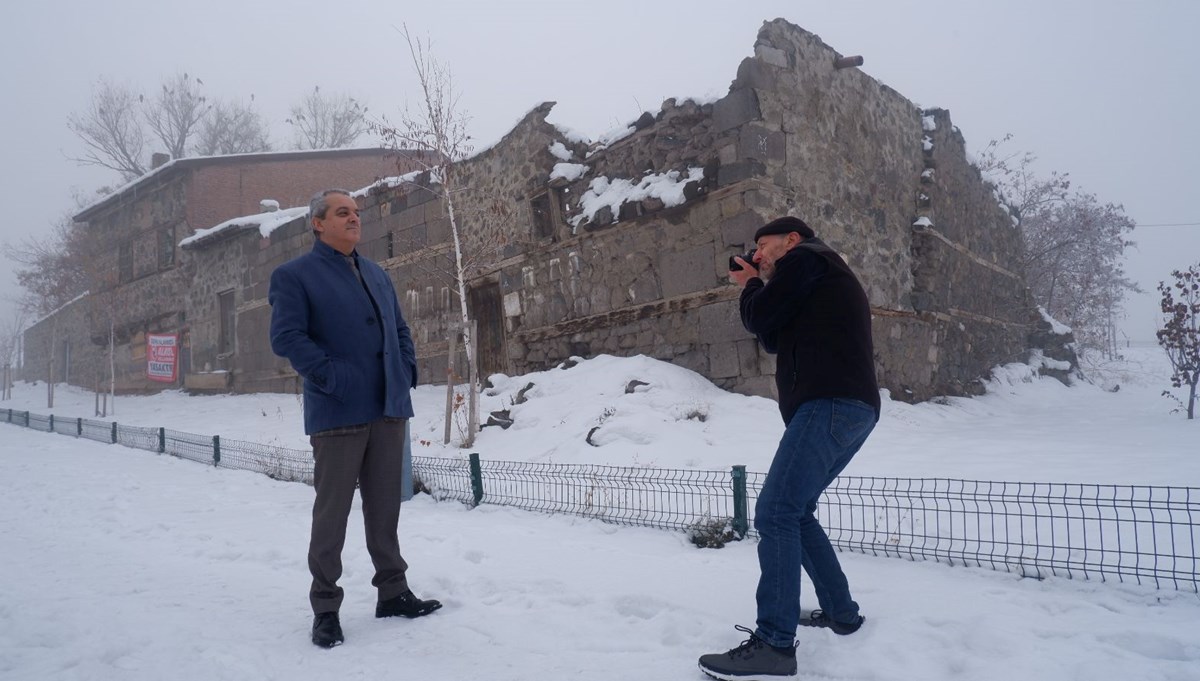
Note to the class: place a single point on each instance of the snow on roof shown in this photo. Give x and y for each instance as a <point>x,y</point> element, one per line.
<point>667,187</point>
<point>270,221</point>
<point>568,171</point>
<point>571,134</point>
<point>387,182</point>
<point>58,309</point>
<point>560,151</point>
<point>193,160</point>
<point>265,222</point>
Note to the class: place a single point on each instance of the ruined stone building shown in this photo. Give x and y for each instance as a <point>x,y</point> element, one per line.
<point>139,282</point>
<point>621,246</point>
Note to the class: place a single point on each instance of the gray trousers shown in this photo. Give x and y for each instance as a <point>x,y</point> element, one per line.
<point>371,456</point>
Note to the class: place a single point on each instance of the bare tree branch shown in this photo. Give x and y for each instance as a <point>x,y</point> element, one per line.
<point>327,122</point>
<point>52,270</point>
<point>10,333</point>
<point>231,127</point>
<point>1074,246</point>
<point>110,130</point>
<point>436,128</point>
<point>175,113</point>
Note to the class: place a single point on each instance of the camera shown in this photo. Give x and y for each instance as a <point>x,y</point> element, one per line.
<point>747,256</point>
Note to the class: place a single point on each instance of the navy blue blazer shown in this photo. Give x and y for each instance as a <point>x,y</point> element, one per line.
<point>357,359</point>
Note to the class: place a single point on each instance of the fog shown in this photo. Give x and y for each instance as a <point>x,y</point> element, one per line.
<point>1103,90</point>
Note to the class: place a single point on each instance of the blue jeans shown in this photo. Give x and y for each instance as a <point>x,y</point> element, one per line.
<point>820,440</point>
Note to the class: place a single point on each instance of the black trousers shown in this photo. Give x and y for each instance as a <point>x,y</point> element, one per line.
<point>371,456</point>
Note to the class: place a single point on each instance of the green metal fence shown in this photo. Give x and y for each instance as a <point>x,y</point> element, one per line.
<point>1145,534</point>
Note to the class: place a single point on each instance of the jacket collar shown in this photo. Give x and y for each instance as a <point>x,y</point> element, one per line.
<point>326,251</point>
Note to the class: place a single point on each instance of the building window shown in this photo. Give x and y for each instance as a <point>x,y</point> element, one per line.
<point>543,220</point>
<point>126,261</point>
<point>166,248</point>
<point>227,316</point>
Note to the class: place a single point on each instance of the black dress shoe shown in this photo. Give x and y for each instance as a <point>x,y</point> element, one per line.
<point>405,605</point>
<point>327,630</point>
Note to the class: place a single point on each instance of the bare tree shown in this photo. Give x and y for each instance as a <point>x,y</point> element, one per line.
<point>231,127</point>
<point>1074,246</point>
<point>176,112</point>
<point>436,129</point>
<point>111,130</point>
<point>10,343</point>
<point>327,121</point>
<point>53,270</point>
<point>119,124</point>
<point>1180,334</point>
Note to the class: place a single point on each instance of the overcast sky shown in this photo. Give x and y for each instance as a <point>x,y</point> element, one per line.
<point>1105,90</point>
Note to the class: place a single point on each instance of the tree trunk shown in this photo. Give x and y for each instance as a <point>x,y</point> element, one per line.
<point>112,364</point>
<point>468,337</point>
<point>451,351</point>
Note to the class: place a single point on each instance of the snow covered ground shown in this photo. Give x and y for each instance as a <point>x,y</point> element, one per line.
<point>123,564</point>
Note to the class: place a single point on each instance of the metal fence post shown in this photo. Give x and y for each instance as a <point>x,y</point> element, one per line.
<point>476,479</point>
<point>162,440</point>
<point>26,419</point>
<point>740,522</point>
<point>114,434</point>
<point>79,427</point>
<point>216,450</point>
<point>51,423</point>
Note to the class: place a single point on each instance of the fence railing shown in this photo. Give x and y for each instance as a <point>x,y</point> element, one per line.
<point>1143,534</point>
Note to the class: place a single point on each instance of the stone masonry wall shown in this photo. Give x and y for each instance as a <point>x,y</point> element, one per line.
<point>53,335</point>
<point>884,183</point>
<point>217,270</point>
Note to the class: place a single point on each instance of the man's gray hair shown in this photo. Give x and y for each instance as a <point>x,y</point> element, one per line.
<point>318,207</point>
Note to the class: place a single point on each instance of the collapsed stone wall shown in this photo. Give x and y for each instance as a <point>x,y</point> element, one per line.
<point>795,135</point>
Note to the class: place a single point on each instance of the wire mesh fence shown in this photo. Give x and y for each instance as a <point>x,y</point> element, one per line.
<point>674,499</point>
<point>280,463</point>
<point>138,437</point>
<point>1122,532</point>
<point>66,426</point>
<point>100,431</point>
<point>188,446</point>
<point>37,422</point>
<point>443,478</point>
<point>1143,534</point>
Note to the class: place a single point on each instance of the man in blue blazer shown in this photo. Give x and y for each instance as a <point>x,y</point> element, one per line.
<point>335,317</point>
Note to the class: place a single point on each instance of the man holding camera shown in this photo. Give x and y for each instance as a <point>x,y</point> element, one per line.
<point>805,305</point>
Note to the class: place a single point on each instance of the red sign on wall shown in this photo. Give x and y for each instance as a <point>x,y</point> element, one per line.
<point>161,355</point>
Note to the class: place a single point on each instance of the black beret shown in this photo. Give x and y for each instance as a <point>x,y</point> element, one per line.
<point>785,225</point>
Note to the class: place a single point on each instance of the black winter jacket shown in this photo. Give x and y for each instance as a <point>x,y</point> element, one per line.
<point>814,316</point>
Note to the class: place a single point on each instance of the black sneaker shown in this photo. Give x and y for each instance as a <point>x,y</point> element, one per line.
<point>327,630</point>
<point>820,619</point>
<point>753,659</point>
<point>405,605</point>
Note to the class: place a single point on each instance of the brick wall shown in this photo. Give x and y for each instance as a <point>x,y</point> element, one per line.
<point>227,189</point>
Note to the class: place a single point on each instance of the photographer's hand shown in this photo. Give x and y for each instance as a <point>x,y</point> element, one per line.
<point>748,272</point>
